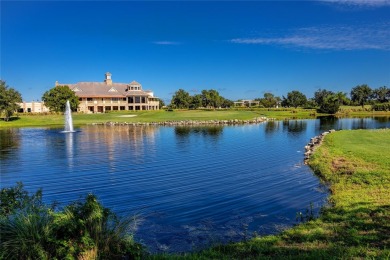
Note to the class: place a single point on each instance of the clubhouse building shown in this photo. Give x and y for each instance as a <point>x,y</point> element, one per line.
<point>99,97</point>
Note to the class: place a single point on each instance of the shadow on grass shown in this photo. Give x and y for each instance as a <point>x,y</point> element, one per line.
<point>12,118</point>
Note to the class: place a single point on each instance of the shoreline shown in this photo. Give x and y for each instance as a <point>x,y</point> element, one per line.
<point>256,120</point>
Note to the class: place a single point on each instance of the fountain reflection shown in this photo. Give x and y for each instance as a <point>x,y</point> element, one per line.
<point>69,149</point>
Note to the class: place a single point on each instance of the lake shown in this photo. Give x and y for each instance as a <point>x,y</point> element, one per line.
<point>192,186</point>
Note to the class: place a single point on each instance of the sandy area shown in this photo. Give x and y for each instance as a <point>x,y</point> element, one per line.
<point>128,116</point>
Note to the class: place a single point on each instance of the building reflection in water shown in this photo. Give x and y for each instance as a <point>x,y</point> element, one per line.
<point>140,140</point>
<point>9,141</point>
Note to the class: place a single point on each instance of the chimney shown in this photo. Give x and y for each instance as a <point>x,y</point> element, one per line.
<point>108,79</point>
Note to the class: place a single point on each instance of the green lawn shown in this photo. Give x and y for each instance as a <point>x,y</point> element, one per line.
<point>34,120</point>
<point>356,164</point>
<point>151,116</point>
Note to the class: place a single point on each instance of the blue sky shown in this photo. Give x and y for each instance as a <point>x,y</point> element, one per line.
<point>241,49</point>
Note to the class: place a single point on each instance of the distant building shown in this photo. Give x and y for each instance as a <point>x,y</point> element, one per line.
<point>246,103</point>
<point>32,107</point>
<point>99,97</point>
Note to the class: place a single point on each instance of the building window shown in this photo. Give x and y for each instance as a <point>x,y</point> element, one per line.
<point>137,99</point>
<point>131,100</point>
<point>143,100</point>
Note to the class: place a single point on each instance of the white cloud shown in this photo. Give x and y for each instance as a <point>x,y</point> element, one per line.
<point>330,38</point>
<point>372,3</point>
<point>166,43</point>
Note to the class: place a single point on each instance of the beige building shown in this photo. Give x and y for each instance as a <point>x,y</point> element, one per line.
<point>99,97</point>
<point>32,107</point>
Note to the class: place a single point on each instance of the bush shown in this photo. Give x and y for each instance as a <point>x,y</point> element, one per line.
<point>381,107</point>
<point>83,229</point>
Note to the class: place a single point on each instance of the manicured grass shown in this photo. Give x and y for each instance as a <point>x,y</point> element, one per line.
<point>41,120</point>
<point>356,225</point>
<point>151,116</point>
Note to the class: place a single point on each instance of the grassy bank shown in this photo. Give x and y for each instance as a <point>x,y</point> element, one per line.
<point>356,164</point>
<point>50,120</point>
<point>149,116</point>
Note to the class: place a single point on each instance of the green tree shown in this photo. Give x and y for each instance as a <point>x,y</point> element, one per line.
<point>196,101</point>
<point>9,99</point>
<point>320,96</point>
<point>342,98</point>
<point>269,100</point>
<point>181,99</point>
<point>211,98</point>
<point>382,94</point>
<point>55,99</point>
<point>328,101</point>
<point>226,103</point>
<point>294,99</point>
<point>361,94</point>
<point>331,104</point>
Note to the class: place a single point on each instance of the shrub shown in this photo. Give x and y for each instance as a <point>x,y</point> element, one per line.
<point>83,229</point>
<point>381,107</point>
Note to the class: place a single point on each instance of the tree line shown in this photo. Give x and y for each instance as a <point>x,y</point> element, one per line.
<point>207,99</point>
<point>325,101</point>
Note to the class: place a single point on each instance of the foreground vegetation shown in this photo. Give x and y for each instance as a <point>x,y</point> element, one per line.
<point>57,120</point>
<point>356,224</point>
<point>82,230</point>
<point>356,165</point>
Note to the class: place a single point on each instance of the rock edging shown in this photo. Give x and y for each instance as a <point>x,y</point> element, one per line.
<point>314,143</point>
<point>190,122</point>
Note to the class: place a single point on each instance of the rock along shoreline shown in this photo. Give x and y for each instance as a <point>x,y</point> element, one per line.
<point>314,143</point>
<point>256,120</point>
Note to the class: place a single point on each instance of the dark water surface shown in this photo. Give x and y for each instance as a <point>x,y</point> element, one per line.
<point>194,186</point>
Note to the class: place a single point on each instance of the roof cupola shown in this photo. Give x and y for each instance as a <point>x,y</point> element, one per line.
<point>108,79</point>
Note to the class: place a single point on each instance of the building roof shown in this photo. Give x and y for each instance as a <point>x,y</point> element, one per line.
<point>102,89</point>
<point>134,83</point>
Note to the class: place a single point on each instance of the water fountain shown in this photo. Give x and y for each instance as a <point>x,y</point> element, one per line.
<point>68,119</point>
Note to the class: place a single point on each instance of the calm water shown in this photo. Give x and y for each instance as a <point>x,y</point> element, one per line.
<point>194,186</point>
